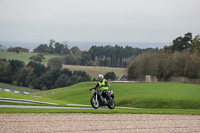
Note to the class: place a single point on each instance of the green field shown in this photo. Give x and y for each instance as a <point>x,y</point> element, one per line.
<point>140,95</point>
<point>154,98</point>
<point>95,71</point>
<point>23,56</point>
<point>164,97</point>
<point>28,97</point>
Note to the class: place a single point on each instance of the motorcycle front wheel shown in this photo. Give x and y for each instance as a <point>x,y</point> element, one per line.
<point>94,102</point>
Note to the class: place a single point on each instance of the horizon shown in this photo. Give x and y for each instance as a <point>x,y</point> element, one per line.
<point>86,45</point>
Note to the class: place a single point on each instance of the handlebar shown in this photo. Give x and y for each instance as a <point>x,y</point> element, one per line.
<point>94,88</point>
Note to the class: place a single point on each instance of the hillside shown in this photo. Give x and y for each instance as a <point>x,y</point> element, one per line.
<point>141,95</point>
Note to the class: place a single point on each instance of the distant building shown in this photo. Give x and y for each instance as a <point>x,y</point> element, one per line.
<point>122,78</point>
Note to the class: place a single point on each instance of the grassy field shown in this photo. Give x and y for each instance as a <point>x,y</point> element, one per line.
<point>158,95</point>
<point>28,97</point>
<point>12,87</point>
<point>140,95</point>
<point>23,56</point>
<point>156,98</point>
<point>94,71</point>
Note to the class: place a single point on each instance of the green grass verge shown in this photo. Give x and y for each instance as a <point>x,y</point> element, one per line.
<point>114,111</point>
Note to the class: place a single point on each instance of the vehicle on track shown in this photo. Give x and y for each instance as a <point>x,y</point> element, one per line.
<point>106,100</point>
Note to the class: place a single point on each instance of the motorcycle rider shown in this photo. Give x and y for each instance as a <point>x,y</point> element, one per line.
<point>103,86</point>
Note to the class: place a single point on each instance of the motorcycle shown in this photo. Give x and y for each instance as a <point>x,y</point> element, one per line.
<point>104,100</point>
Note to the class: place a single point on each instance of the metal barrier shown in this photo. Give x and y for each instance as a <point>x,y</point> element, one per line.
<point>14,91</point>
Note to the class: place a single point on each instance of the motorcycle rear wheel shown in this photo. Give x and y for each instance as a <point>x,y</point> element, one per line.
<point>94,103</point>
<point>111,104</point>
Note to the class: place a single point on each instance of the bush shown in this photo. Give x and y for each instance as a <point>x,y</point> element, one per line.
<point>110,75</point>
<point>165,65</point>
<point>55,63</point>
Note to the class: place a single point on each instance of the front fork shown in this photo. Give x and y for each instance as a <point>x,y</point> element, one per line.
<point>96,96</point>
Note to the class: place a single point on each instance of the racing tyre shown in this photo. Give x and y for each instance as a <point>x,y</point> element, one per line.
<point>111,104</point>
<point>94,103</point>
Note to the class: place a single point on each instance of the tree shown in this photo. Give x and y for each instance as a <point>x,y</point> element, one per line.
<point>20,76</point>
<point>85,59</point>
<point>62,81</point>
<point>55,63</point>
<point>192,67</point>
<point>15,49</point>
<point>42,48</point>
<point>38,69</point>
<point>25,50</point>
<point>5,71</point>
<point>2,49</point>
<point>37,76</point>
<point>37,58</point>
<point>16,65</point>
<point>75,50</point>
<point>66,50</point>
<point>58,48</point>
<point>167,49</point>
<point>132,73</point>
<point>70,60</point>
<point>66,72</point>
<point>51,48</point>
<point>83,75</point>
<point>110,75</point>
<point>196,44</point>
<point>182,43</point>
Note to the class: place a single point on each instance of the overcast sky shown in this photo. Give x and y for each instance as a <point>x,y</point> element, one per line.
<point>98,20</point>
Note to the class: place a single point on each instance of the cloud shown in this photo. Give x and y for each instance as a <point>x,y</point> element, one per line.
<point>98,20</point>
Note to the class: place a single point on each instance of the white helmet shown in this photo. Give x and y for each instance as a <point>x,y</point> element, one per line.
<point>100,77</point>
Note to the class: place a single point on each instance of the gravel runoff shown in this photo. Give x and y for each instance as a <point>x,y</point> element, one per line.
<point>103,123</point>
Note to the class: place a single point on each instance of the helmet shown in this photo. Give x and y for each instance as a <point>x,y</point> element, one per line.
<point>100,77</point>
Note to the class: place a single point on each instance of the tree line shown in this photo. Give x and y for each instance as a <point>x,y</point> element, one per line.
<point>111,56</point>
<point>115,56</point>
<point>18,49</point>
<point>37,76</point>
<point>181,59</point>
